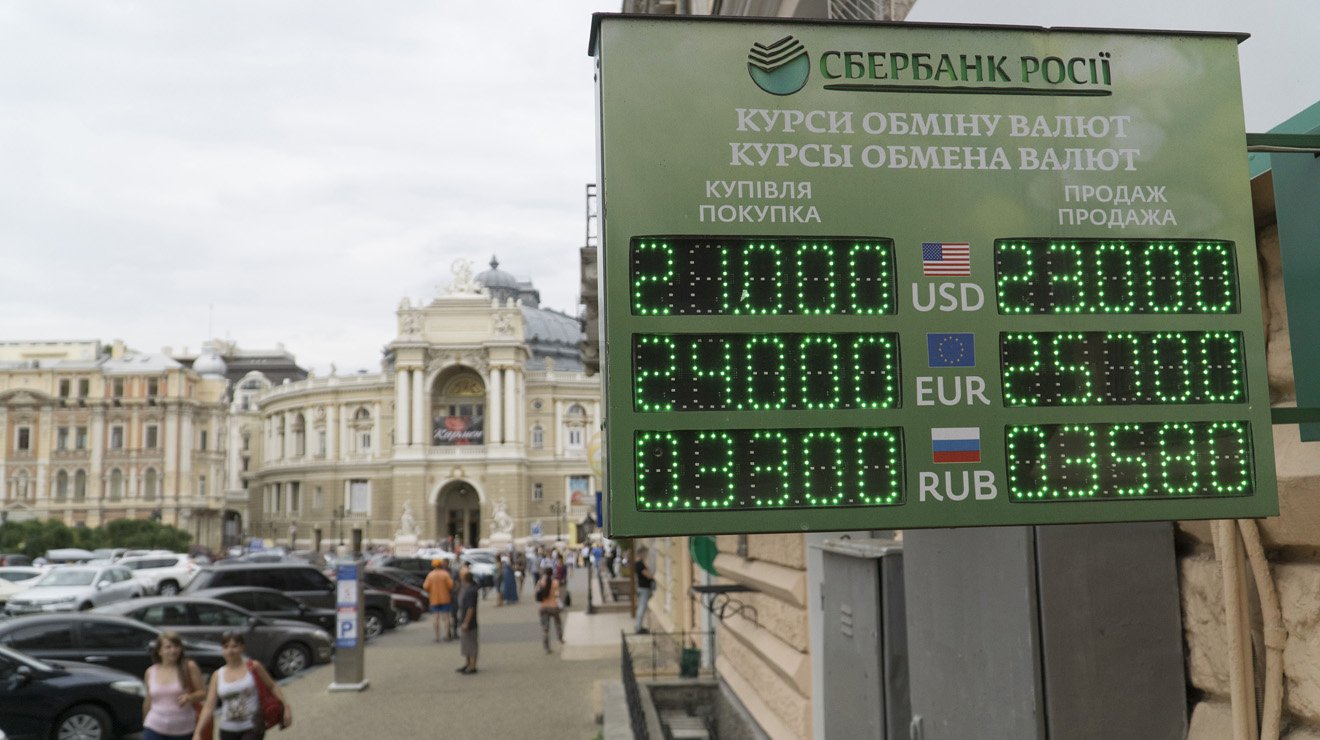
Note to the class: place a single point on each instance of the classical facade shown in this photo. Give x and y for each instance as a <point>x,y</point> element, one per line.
<point>481,407</point>
<point>94,433</point>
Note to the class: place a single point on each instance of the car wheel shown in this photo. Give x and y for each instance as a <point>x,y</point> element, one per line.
<point>84,722</point>
<point>86,606</point>
<point>290,659</point>
<point>374,625</point>
<point>168,588</point>
<point>401,617</point>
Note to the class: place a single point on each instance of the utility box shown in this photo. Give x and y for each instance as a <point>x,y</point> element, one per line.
<point>864,630</point>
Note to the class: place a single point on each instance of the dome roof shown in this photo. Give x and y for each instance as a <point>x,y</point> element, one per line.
<point>495,277</point>
<point>210,365</point>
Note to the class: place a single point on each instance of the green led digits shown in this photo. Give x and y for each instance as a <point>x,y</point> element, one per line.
<point>1053,462</point>
<point>761,276</point>
<point>764,372</point>
<point>1122,368</point>
<point>1107,276</point>
<point>742,469</point>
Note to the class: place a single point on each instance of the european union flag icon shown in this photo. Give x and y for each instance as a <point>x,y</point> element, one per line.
<point>951,350</point>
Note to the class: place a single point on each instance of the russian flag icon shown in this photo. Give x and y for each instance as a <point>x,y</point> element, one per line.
<point>955,444</point>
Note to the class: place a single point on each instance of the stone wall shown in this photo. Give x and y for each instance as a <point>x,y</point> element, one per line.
<point>1292,542</point>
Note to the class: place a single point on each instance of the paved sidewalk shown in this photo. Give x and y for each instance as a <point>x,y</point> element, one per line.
<point>519,691</point>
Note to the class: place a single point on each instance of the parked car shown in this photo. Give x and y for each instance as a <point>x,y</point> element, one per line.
<point>271,603</point>
<point>409,577</point>
<point>482,564</point>
<point>414,601</point>
<point>41,699</point>
<point>283,645</point>
<point>99,639</point>
<point>14,558</point>
<point>112,554</point>
<point>161,574</point>
<point>416,565</point>
<point>298,580</point>
<point>75,588</point>
<point>16,580</point>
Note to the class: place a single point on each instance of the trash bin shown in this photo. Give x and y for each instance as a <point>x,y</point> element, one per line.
<point>689,662</point>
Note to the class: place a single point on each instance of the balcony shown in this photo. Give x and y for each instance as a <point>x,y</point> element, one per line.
<point>453,452</point>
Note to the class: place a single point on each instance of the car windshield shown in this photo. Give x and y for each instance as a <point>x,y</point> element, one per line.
<point>67,577</point>
<point>18,575</point>
<point>478,557</point>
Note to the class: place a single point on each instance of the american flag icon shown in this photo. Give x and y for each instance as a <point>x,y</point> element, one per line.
<point>943,259</point>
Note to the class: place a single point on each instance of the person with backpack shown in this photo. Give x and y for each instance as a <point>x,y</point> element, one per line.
<point>645,585</point>
<point>547,595</point>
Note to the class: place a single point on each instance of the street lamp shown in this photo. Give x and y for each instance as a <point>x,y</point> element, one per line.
<point>558,508</point>
<point>339,523</point>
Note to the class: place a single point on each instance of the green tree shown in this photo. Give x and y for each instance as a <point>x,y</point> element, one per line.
<point>33,538</point>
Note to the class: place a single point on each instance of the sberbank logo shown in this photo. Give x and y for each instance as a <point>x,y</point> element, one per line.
<point>781,67</point>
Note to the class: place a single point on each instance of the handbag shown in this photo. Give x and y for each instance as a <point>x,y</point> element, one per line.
<point>272,709</point>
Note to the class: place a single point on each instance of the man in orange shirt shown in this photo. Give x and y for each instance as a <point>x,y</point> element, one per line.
<point>440,586</point>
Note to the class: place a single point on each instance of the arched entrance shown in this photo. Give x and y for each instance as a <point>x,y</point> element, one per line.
<point>458,513</point>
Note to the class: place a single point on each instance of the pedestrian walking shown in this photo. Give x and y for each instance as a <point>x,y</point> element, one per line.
<point>508,584</point>
<point>439,586</point>
<point>645,585</point>
<point>234,696</point>
<point>499,580</point>
<point>547,594</point>
<point>467,629</point>
<point>174,684</point>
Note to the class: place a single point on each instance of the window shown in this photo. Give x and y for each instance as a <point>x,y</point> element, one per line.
<point>116,485</point>
<point>365,442</point>
<point>163,615</point>
<point>201,486</point>
<point>359,497</point>
<point>64,388</point>
<point>62,438</point>
<point>299,436</point>
<point>574,437</point>
<point>214,615</point>
<point>538,492</point>
<point>80,486</point>
<point>201,440</point>
<point>61,485</point>
<point>153,387</point>
<point>117,388</point>
<point>117,437</point>
<point>246,442</point>
<point>48,636</point>
<point>80,438</point>
<point>295,497</point>
<point>538,437</point>
<point>318,499</point>
<point>84,388</point>
<point>306,579</point>
<point>151,437</point>
<point>115,636</point>
<point>276,503</point>
<point>23,440</point>
<point>150,484</point>
<point>320,443</point>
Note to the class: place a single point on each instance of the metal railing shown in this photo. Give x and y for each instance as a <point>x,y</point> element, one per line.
<point>656,655</point>
<point>636,716</point>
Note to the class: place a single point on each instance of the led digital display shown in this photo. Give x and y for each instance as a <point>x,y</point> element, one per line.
<point>781,275</point>
<point>1122,368</point>
<point>1051,462</point>
<point>737,469</point>
<point>764,372</point>
<point>1112,276</point>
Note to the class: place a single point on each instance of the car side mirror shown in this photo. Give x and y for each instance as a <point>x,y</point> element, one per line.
<point>101,585</point>
<point>22,675</point>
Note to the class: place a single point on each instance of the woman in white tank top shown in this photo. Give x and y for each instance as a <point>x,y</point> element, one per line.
<point>232,699</point>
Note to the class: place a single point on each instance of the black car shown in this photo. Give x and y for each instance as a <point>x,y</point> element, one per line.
<point>100,639</point>
<point>271,603</point>
<point>40,699</point>
<point>300,581</point>
<point>284,646</point>
<point>410,577</point>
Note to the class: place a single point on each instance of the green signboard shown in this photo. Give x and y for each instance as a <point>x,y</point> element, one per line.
<point>891,276</point>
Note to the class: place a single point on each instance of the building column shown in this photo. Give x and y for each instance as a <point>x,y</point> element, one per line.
<point>332,432</point>
<point>418,408</point>
<point>185,454</point>
<point>559,429</point>
<point>377,444</point>
<point>343,446</point>
<point>511,405</point>
<point>494,400</point>
<point>401,408</point>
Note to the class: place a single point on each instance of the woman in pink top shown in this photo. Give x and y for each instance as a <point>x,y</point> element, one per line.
<point>174,684</point>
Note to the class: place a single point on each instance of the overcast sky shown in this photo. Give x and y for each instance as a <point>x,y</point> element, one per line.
<point>275,171</point>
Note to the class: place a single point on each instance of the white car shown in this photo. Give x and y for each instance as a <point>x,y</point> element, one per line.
<point>165,574</point>
<point>16,579</point>
<point>481,561</point>
<point>75,588</point>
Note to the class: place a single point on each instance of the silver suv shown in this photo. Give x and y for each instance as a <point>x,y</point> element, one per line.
<point>164,573</point>
<point>75,588</point>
